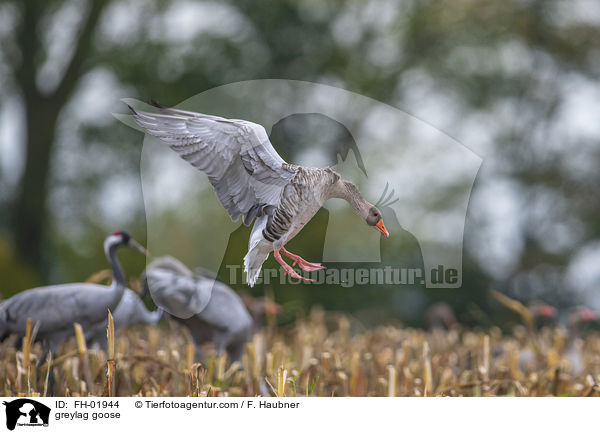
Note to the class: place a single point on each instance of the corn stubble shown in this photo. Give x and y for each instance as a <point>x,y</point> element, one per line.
<point>318,356</point>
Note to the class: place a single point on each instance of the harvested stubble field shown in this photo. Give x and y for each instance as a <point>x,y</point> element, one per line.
<point>322,355</point>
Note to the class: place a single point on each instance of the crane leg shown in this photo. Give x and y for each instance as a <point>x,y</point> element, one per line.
<point>304,265</point>
<point>288,269</point>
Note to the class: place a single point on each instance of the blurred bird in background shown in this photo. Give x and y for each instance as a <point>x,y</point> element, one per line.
<point>208,308</point>
<point>577,321</point>
<point>440,316</point>
<point>54,309</point>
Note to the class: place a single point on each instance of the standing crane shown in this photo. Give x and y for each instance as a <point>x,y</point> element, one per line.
<point>210,309</point>
<point>130,311</point>
<point>578,319</point>
<point>57,307</point>
<point>529,314</point>
<point>260,308</point>
<point>440,316</point>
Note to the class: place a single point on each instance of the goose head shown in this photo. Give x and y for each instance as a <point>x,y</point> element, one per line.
<point>375,220</point>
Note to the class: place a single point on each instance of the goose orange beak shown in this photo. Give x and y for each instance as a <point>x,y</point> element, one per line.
<point>379,226</point>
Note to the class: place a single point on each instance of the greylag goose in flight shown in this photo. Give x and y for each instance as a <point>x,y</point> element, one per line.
<point>253,182</point>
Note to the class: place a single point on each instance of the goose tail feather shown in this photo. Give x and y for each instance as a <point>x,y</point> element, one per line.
<point>253,262</point>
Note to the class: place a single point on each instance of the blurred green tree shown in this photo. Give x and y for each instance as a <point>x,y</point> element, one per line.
<point>42,108</point>
<point>504,78</point>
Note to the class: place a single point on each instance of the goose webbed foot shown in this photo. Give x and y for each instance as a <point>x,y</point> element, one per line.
<point>304,265</point>
<point>288,269</point>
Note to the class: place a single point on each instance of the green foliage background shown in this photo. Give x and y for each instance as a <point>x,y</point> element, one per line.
<point>511,79</point>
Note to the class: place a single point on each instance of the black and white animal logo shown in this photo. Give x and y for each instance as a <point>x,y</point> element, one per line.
<point>26,412</point>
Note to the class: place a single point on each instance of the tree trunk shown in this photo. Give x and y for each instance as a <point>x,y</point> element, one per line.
<point>29,221</point>
<point>29,217</point>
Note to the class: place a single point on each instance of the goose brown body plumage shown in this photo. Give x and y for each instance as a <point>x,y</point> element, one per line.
<point>254,183</point>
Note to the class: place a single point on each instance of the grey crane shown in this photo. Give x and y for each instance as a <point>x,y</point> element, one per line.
<point>540,314</point>
<point>130,311</point>
<point>254,183</point>
<point>210,309</point>
<point>57,307</point>
<point>440,315</point>
<point>578,319</point>
<point>260,307</point>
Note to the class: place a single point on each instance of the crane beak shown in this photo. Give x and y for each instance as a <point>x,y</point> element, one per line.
<point>381,228</point>
<point>136,246</point>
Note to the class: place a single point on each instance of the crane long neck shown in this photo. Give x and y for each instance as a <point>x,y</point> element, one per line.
<point>118,274</point>
<point>119,282</point>
<point>574,332</point>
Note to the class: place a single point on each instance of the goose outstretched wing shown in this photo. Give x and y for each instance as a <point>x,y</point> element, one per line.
<point>241,164</point>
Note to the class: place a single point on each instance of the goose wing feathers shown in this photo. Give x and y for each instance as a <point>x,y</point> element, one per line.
<point>241,164</point>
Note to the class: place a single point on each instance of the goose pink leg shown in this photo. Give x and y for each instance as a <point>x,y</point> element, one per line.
<point>304,265</point>
<point>288,268</point>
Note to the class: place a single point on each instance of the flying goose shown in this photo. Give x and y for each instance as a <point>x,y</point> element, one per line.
<point>253,182</point>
